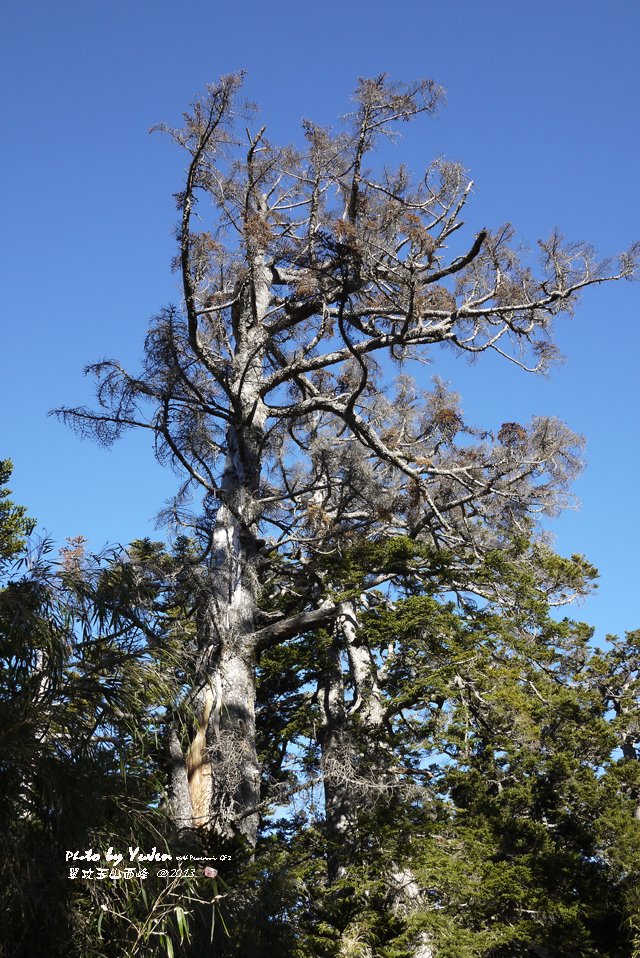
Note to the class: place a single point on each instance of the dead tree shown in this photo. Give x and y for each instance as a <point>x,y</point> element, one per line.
<point>306,274</point>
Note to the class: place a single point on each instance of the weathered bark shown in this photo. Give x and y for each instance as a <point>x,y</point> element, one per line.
<point>231,741</point>
<point>368,703</point>
<point>224,778</point>
<point>340,761</point>
<point>336,758</point>
<point>179,805</point>
<point>341,765</point>
<point>221,761</point>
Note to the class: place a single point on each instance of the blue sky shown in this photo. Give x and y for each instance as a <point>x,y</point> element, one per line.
<point>542,104</point>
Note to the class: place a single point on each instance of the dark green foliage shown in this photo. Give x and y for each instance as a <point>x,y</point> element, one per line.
<point>15,525</point>
<point>496,785</point>
<point>501,790</point>
<point>81,702</point>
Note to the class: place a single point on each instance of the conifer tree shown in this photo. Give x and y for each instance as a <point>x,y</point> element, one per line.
<point>491,814</point>
<point>82,700</point>
<point>306,274</point>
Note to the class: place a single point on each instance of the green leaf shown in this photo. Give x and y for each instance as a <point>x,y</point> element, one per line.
<point>182,923</point>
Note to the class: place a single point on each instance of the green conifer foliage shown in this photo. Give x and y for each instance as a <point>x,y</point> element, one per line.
<point>15,525</point>
<point>498,789</point>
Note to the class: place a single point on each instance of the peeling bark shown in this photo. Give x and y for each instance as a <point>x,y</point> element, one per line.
<point>198,764</point>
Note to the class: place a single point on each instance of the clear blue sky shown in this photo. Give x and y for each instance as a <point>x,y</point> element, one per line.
<point>542,109</point>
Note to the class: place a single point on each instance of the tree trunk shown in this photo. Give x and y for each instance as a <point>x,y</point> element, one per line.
<point>342,780</point>
<point>336,761</point>
<point>221,761</point>
<point>231,740</point>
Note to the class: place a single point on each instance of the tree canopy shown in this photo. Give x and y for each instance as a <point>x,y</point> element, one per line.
<point>345,672</point>
<point>268,388</point>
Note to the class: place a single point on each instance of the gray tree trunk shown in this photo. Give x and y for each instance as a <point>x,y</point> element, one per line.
<point>336,754</point>
<point>341,781</point>
<point>221,761</point>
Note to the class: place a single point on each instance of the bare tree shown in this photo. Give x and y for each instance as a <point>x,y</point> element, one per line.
<point>306,274</point>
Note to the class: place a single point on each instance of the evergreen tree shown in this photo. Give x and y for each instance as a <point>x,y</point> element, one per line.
<point>268,388</point>
<point>82,699</point>
<point>489,813</point>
